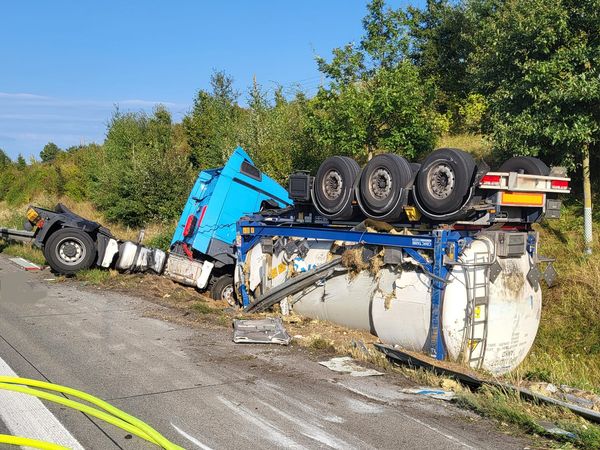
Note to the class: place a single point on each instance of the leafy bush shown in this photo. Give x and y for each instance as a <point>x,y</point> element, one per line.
<point>144,177</point>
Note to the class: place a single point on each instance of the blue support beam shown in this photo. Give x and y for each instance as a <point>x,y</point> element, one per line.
<point>256,230</point>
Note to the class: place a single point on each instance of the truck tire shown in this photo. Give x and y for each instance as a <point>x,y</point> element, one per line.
<point>333,189</point>
<point>415,167</point>
<point>224,289</point>
<point>70,250</point>
<point>525,164</point>
<point>444,181</point>
<point>381,184</point>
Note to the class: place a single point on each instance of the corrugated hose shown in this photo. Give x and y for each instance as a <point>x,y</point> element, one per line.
<point>104,411</point>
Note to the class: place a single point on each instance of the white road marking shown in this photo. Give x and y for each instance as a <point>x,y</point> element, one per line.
<point>25,415</point>
<point>190,438</point>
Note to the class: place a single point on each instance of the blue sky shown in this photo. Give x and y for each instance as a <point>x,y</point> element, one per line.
<point>66,64</point>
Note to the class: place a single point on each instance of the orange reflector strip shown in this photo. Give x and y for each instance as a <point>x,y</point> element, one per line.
<point>522,198</point>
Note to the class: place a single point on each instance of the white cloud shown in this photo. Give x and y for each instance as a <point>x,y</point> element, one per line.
<point>22,96</point>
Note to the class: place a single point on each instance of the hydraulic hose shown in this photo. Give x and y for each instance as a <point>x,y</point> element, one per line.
<point>110,414</point>
<point>27,442</point>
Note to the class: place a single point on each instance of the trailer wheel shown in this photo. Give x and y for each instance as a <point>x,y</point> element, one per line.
<point>415,168</point>
<point>333,190</point>
<point>224,289</point>
<point>444,181</point>
<point>381,184</point>
<point>525,164</point>
<point>70,250</point>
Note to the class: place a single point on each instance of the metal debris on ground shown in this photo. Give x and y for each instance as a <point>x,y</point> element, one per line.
<point>553,429</point>
<point>439,394</point>
<point>360,346</point>
<point>346,364</point>
<point>260,331</point>
<point>24,264</point>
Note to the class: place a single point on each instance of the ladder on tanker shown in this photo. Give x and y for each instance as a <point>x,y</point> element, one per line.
<point>477,313</point>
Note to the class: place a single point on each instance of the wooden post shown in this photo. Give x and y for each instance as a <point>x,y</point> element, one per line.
<point>587,201</point>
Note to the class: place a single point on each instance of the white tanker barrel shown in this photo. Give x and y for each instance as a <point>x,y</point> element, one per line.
<point>487,321</point>
<point>514,308</point>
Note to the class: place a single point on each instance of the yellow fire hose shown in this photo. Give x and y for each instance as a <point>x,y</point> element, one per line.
<point>105,412</point>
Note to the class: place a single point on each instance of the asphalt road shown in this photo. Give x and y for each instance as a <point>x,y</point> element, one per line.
<point>198,388</point>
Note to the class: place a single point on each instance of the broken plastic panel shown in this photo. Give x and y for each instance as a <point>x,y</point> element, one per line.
<point>260,331</point>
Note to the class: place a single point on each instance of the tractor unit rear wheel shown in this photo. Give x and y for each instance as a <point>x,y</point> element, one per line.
<point>223,288</point>
<point>70,250</point>
<point>381,186</point>
<point>333,188</point>
<point>444,182</point>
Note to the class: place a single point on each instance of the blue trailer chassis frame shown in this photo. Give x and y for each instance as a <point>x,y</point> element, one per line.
<point>442,243</point>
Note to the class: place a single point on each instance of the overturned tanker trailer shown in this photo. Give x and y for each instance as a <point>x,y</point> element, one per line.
<point>467,291</point>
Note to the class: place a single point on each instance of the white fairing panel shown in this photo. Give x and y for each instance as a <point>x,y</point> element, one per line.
<point>112,248</point>
<point>138,258</point>
<point>514,309</point>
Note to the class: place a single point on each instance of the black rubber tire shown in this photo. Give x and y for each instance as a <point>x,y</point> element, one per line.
<point>224,289</point>
<point>59,245</point>
<point>525,164</point>
<point>415,167</point>
<point>380,187</point>
<point>444,181</point>
<point>333,189</point>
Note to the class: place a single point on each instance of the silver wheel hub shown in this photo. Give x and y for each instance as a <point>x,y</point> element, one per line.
<point>332,185</point>
<point>227,294</point>
<point>441,181</point>
<point>70,251</point>
<point>380,184</point>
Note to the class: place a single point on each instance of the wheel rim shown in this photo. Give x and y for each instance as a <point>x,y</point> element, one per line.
<point>332,185</point>
<point>441,181</point>
<point>227,294</point>
<point>380,184</point>
<point>70,251</point>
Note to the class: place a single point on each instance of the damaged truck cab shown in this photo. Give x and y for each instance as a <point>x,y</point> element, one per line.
<point>201,251</point>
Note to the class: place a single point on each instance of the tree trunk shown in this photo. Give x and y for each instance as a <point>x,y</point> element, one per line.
<point>587,201</point>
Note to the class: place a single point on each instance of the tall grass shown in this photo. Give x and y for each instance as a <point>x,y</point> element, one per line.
<point>476,144</point>
<point>567,347</point>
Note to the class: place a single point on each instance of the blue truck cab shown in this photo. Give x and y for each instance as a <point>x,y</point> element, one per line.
<point>201,251</point>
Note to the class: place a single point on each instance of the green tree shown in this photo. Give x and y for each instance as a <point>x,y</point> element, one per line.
<point>211,126</point>
<point>538,64</point>
<point>273,132</point>
<point>144,175</point>
<point>375,100</point>
<point>4,160</point>
<point>49,152</point>
<point>21,163</point>
<point>441,48</point>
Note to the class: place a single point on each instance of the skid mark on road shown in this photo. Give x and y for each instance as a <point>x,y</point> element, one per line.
<point>25,415</point>
<point>383,400</point>
<point>321,412</point>
<point>311,431</point>
<point>272,433</point>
